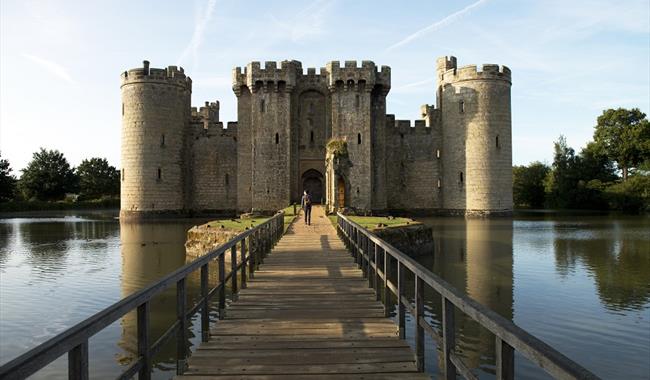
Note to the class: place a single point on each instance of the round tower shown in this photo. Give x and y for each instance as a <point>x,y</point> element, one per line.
<point>155,123</point>
<point>477,137</point>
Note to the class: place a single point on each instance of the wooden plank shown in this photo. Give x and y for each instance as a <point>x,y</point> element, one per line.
<point>257,369</point>
<point>248,343</point>
<point>345,376</point>
<point>308,312</point>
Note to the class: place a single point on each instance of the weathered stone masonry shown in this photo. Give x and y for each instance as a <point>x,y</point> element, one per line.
<point>180,160</point>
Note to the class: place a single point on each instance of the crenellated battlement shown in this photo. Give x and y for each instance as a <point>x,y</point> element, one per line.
<point>472,72</point>
<point>171,75</point>
<point>275,76</point>
<point>207,115</point>
<point>402,127</point>
<point>350,76</point>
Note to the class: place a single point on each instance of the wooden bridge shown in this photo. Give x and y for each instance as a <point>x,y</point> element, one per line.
<point>310,310</point>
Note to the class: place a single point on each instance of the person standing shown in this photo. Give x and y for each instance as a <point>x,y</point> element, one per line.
<point>306,207</point>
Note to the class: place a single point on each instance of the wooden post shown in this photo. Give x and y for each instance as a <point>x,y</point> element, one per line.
<point>78,362</point>
<point>243,263</point>
<point>181,335</point>
<point>251,257</point>
<point>233,269</point>
<point>401,317</point>
<point>505,356</point>
<point>448,339</point>
<point>419,330</point>
<point>386,289</point>
<point>222,284</point>
<point>143,341</point>
<point>205,312</point>
<point>377,277</point>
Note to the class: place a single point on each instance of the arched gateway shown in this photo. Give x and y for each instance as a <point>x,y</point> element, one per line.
<point>312,181</point>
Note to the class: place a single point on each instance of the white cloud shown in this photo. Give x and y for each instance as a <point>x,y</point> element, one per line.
<point>51,67</point>
<point>437,25</point>
<point>201,22</point>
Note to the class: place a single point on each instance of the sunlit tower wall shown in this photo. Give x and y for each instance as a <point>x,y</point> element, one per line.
<point>358,116</point>
<point>155,125</point>
<point>264,150</point>
<point>477,137</point>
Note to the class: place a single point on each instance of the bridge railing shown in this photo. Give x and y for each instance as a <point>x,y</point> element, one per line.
<point>375,257</point>
<point>74,341</point>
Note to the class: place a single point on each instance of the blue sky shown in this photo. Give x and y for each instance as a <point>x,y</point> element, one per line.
<point>60,60</point>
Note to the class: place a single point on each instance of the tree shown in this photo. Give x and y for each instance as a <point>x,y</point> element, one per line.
<point>528,184</point>
<point>624,136</point>
<point>97,178</point>
<point>594,165</point>
<point>7,181</point>
<point>560,183</point>
<point>48,176</point>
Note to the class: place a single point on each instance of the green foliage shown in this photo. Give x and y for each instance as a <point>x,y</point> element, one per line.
<point>47,177</point>
<point>632,195</point>
<point>35,205</point>
<point>339,148</point>
<point>97,178</point>
<point>623,136</point>
<point>7,181</point>
<point>528,184</point>
<point>560,182</point>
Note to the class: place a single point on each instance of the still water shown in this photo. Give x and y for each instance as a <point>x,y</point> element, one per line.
<point>582,284</point>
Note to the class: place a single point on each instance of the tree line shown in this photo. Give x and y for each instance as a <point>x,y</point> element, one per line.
<point>611,172</point>
<point>49,177</point>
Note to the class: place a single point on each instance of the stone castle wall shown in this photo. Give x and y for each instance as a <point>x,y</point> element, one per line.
<point>412,165</point>
<point>477,140</point>
<point>214,164</point>
<point>155,118</point>
<point>457,159</point>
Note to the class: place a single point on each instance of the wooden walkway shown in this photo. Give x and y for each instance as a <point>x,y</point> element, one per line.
<point>307,314</point>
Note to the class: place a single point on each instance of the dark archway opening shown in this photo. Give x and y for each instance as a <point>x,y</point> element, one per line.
<point>312,181</point>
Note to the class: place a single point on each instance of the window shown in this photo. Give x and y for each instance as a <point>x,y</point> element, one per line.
<point>497,141</point>
<point>122,109</point>
<point>460,177</point>
<point>159,174</point>
<point>439,183</point>
<point>359,138</point>
<point>311,136</point>
<point>461,106</point>
<point>437,153</point>
<point>401,135</point>
<point>262,105</point>
<point>277,138</point>
<point>162,140</point>
<point>356,101</point>
<point>122,174</point>
<point>227,179</point>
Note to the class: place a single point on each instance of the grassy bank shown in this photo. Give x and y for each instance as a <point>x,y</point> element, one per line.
<point>17,206</point>
<point>238,224</point>
<point>374,222</point>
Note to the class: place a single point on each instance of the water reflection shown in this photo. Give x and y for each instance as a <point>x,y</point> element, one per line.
<point>476,256</point>
<point>150,251</point>
<point>613,252</point>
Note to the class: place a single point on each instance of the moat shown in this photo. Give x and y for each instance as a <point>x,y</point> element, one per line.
<point>580,283</point>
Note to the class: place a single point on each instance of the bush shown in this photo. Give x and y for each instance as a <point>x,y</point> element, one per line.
<point>632,196</point>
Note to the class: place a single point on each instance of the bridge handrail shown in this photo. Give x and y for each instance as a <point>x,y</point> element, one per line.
<point>74,340</point>
<point>508,336</point>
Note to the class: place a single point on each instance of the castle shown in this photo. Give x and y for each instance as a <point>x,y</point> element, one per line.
<point>325,131</point>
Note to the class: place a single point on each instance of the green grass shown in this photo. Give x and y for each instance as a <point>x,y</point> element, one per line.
<point>371,222</point>
<point>237,224</point>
